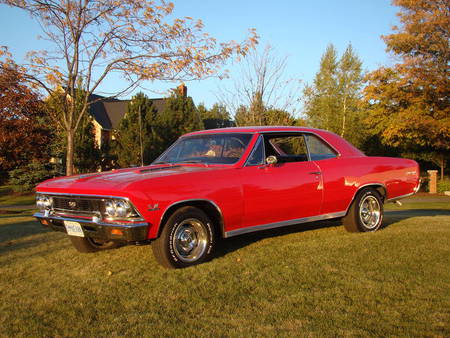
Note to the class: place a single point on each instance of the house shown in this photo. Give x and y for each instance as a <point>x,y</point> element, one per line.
<point>108,112</point>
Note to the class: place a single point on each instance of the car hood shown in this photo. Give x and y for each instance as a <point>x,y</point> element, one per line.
<point>114,182</point>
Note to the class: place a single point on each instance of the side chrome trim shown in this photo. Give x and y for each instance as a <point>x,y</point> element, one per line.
<point>82,220</point>
<point>194,200</point>
<point>284,223</point>
<point>393,199</point>
<point>416,189</point>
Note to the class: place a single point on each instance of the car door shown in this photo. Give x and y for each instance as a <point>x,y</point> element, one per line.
<point>337,179</point>
<point>290,189</point>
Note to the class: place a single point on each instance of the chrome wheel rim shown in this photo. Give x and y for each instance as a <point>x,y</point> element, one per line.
<point>190,240</point>
<point>370,212</point>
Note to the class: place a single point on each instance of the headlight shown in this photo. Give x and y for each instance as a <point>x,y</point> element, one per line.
<point>110,208</point>
<point>123,209</point>
<point>119,209</point>
<point>44,202</point>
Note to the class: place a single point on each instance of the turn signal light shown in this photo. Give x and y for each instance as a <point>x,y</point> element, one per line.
<point>117,232</point>
<point>44,222</point>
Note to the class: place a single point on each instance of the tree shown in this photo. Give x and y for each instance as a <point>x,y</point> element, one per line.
<point>321,103</point>
<point>349,80</point>
<point>267,117</point>
<point>96,38</point>
<point>218,111</point>
<point>179,116</point>
<point>136,141</point>
<point>260,84</point>
<point>410,101</point>
<point>334,101</point>
<point>216,117</point>
<point>278,117</point>
<point>24,131</point>
<point>87,155</point>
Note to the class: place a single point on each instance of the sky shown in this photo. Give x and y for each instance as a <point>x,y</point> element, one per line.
<point>298,29</point>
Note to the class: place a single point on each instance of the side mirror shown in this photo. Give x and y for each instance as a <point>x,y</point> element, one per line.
<point>271,160</point>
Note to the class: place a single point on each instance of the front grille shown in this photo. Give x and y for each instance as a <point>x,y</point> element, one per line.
<point>78,205</point>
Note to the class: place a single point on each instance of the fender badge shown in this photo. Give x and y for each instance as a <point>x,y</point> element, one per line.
<point>153,207</point>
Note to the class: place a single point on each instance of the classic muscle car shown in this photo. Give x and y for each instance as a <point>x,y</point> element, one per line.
<point>221,183</point>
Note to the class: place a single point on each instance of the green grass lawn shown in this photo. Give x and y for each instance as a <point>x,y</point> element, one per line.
<point>8,197</point>
<point>309,280</point>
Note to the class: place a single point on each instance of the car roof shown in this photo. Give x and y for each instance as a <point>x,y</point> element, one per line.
<point>343,147</point>
<point>253,129</point>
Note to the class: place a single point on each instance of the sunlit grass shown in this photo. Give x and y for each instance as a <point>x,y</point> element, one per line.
<point>307,280</point>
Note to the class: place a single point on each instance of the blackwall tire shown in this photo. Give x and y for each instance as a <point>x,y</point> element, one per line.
<point>187,238</point>
<point>87,245</point>
<point>365,213</point>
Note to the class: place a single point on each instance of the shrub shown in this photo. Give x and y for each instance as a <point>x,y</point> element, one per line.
<point>25,179</point>
<point>443,185</point>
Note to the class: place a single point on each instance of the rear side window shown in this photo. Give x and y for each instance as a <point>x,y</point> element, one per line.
<point>318,149</point>
<point>289,148</point>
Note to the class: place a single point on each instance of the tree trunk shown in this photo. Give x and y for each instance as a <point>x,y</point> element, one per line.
<point>70,152</point>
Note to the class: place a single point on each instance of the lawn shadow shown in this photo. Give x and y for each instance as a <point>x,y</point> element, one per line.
<point>23,235</point>
<point>391,217</point>
<point>394,216</point>
<point>228,245</point>
<point>18,230</point>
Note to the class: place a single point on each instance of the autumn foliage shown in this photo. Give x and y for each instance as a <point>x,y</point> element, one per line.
<point>24,136</point>
<point>410,103</point>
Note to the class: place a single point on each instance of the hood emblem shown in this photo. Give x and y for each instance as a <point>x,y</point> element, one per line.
<point>72,204</point>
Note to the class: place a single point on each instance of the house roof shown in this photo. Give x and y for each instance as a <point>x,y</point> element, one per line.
<point>108,112</point>
<point>115,110</point>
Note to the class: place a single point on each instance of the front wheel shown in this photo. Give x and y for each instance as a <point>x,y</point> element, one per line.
<point>188,238</point>
<point>365,213</point>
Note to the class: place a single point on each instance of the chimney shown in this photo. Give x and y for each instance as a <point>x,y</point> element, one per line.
<point>182,89</point>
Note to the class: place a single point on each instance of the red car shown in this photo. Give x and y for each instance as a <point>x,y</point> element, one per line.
<point>222,183</point>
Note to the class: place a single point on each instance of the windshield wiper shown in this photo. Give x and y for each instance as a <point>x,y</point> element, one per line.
<point>161,162</point>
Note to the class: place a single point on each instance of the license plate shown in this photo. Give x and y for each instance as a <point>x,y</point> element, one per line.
<point>74,229</point>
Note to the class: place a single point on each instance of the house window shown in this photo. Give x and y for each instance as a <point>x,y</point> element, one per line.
<point>105,137</point>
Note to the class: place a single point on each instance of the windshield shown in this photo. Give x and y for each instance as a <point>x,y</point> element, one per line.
<point>208,148</point>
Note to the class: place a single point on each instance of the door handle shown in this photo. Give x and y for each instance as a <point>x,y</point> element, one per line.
<point>315,173</point>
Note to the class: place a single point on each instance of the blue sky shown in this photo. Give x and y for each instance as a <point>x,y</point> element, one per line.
<point>300,29</point>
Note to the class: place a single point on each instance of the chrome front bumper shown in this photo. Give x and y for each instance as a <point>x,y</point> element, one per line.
<point>132,232</point>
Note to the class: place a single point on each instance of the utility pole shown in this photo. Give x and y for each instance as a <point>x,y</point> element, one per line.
<point>140,137</point>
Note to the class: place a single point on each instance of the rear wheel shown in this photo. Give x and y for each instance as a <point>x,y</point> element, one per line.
<point>188,238</point>
<point>365,213</point>
<point>86,244</point>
